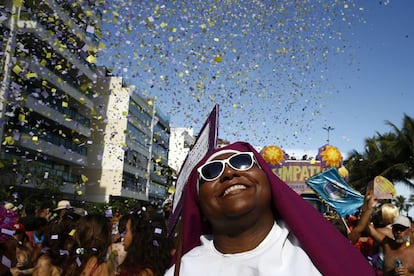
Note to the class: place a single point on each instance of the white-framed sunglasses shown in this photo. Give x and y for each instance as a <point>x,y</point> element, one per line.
<point>212,170</point>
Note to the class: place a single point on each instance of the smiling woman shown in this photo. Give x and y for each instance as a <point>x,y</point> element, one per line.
<point>240,219</point>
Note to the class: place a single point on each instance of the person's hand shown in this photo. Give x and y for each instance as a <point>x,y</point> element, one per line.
<point>369,201</point>
<point>401,271</point>
<point>15,271</point>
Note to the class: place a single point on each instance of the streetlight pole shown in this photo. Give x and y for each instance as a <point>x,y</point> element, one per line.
<point>328,129</point>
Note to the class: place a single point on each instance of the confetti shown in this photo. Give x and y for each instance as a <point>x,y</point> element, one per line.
<point>261,61</point>
<point>157,230</point>
<point>5,261</point>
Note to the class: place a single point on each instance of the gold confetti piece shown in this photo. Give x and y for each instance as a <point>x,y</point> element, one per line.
<point>91,59</point>
<point>84,87</point>
<point>22,118</point>
<point>84,178</point>
<point>8,140</point>
<point>31,75</point>
<point>171,190</point>
<point>16,69</point>
<point>218,59</point>
<point>65,104</point>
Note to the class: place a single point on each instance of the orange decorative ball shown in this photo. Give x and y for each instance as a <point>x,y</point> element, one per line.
<point>330,156</point>
<point>273,155</point>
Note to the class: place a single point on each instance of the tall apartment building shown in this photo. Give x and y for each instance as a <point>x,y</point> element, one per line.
<point>130,150</point>
<point>60,118</point>
<point>48,49</point>
<point>160,171</point>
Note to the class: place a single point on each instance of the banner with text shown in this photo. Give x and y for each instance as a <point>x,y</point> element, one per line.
<point>206,142</point>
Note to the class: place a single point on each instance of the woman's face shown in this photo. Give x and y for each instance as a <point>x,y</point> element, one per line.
<point>128,235</point>
<point>235,193</point>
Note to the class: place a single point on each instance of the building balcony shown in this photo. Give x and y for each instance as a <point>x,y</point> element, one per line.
<point>134,170</point>
<point>47,148</point>
<point>131,193</point>
<point>137,146</point>
<point>57,117</point>
<point>53,7</point>
<point>57,81</point>
<point>34,27</point>
<point>161,179</point>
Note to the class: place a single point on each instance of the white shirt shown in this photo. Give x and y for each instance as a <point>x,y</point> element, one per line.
<point>277,254</point>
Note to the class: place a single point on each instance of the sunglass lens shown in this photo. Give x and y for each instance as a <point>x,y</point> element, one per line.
<point>241,161</point>
<point>212,170</point>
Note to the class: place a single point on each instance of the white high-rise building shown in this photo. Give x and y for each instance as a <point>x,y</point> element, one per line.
<point>181,140</point>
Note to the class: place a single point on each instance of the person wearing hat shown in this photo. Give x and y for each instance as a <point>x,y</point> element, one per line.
<point>239,218</point>
<point>61,209</point>
<point>63,205</point>
<point>398,251</point>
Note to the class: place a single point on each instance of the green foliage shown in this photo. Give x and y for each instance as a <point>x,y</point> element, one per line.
<point>390,155</point>
<point>403,204</point>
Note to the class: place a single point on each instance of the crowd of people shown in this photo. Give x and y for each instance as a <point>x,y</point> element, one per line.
<point>381,234</point>
<point>238,218</point>
<point>61,241</point>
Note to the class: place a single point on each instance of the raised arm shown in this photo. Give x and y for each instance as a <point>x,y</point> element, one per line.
<point>369,204</point>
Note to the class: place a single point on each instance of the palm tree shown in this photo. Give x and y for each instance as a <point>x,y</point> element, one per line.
<point>399,201</point>
<point>390,155</point>
<point>377,159</point>
<point>407,208</point>
<point>404,148</point>
<point>411,199</point>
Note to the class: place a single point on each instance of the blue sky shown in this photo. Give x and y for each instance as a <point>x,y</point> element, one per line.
<point>285,73</point>
<point>279,71</point>
<point>379,85</point>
